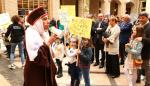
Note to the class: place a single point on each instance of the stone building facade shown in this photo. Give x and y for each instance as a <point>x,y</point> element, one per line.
<point>116,7</point>
<point>83,7</point>
<point>9,6</point>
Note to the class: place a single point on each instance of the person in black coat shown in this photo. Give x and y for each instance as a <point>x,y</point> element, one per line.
<point>145,53</point>
<point>16,33</point>
<point>98,29</point>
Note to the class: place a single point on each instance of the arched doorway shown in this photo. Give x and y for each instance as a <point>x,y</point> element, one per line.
<point>114,7</point>
<point>96,6</point>
<point>129,6</point>
<point>24,6</point>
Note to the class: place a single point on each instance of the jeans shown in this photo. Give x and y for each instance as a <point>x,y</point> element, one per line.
<point>21,51</point>
<point>86,72</point>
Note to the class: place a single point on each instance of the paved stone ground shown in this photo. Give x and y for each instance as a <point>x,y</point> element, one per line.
<point>98,77</point>
<point>10,77</point>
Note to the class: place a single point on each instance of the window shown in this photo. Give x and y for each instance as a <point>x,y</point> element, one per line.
<point>142,5</point>
<point>24,6</point>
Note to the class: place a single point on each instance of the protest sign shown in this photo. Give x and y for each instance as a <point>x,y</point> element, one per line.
<point>80,27</point>
<point>4,21</point>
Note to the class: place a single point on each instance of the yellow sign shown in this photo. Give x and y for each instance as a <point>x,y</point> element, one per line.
<point>80,26</point>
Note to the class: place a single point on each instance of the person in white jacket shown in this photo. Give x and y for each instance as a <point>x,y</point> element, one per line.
<point>73,69</point>
<point>58,50</point>
<point>112,47</point>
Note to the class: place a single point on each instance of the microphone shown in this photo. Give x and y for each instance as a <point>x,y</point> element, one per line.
<point>56,31</point>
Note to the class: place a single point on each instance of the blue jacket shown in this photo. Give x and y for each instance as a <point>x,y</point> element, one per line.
<point>125,32</point>
<point>85,56</point>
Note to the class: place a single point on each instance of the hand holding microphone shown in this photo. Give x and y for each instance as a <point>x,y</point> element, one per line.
<point>52,39</point>
<point>56,31</point>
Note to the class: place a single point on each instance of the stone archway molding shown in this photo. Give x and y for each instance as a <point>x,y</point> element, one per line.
<point>130,3</point>
<point>117,1</point>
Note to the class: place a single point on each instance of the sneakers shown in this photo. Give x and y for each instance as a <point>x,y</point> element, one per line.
<point>142,77</point>
<point>101,65</point>
<point>95,64</point>
<point>12,66</point>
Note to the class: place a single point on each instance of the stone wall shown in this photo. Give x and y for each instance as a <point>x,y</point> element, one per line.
<point>11,7</point>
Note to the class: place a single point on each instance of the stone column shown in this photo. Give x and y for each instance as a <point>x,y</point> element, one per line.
<point>1,6</point>
<point>135,8</point>
<point>147,6</point>
<point>10,7</point>
<point>121,7</point>
<point>105,7</point>
<point>86,7</point>
<point>53,8</point>
<point>81,8</point>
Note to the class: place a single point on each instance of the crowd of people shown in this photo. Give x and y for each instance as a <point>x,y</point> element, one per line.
<point>119,41</point>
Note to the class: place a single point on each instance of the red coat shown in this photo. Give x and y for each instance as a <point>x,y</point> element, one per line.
<point>41,71</point>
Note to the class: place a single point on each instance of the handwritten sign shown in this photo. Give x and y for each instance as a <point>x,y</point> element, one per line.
<point>4,20</point>
<point>80,26</point>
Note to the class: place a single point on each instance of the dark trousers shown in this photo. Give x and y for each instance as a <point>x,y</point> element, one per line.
<point>75,82</point>
<point>93,56</point>
<point>122,52</point>
<point>103,57</point>
<point>139,73</point>
<point>25,53</point>
<point>146,64</point>
<point>59,64</point>
<point>74,73</point>
<point>97,49</point>
<point>112,65</point>
<point>8,48</point>
<point>108,71</point>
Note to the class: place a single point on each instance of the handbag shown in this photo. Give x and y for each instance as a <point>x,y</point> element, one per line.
<point>137,62</point>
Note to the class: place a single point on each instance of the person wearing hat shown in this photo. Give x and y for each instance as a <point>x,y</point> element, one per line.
<point>39,69</point>
<point>144,21</point>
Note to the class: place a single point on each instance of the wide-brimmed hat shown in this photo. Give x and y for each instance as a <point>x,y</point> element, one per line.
<point>35,15</point>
